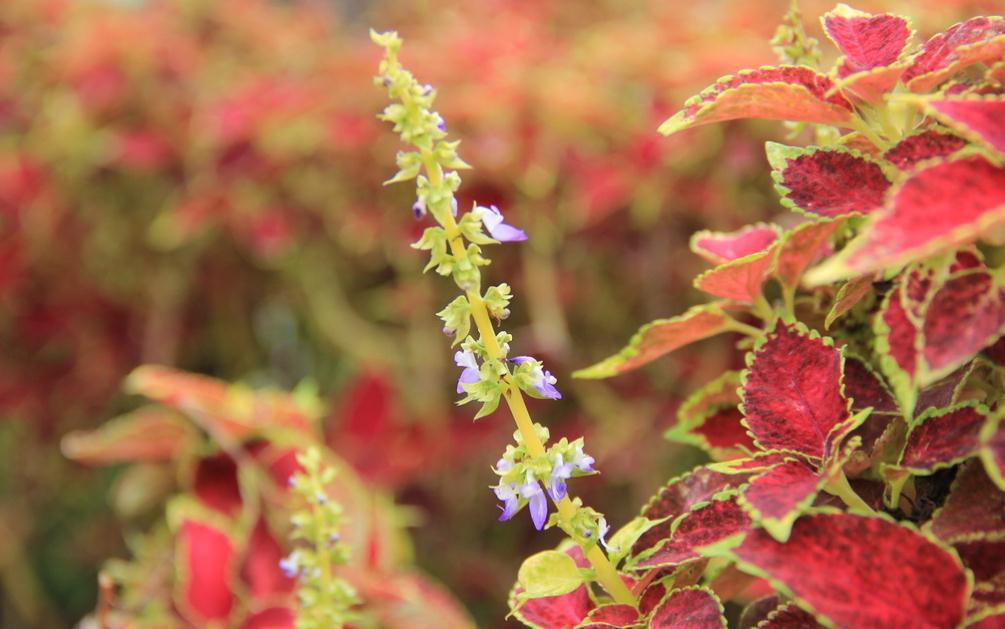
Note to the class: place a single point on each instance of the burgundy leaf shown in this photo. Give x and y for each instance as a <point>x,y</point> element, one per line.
<point>865,388</point>
<point>977,40</point>
<point>215,484</point>
<point>975,507</point>
<point>706,525</point>
<point>965,315</point>
<point>789,616</point>
<point>993,449</point>
<point>775,498</point>
<point>863,572</point>
<point>942,438</point>
<point>827,182</point>
<point>985,556</point>
<point>792,393</point>
<point>922,146</point>
<point>867,41</point>
<point>688,608</point>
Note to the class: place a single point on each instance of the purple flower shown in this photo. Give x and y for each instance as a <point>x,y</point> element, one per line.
<point>510,500</point>
<point>603,529</point>
<point>453,206</point>
<point>290,565</point>
<point>503,466</point>
<point>470,374</point>
<point>439,122</point>
<point>531,490</point>
<point>418,209</point>
<point>492,218</point>
<point>542,381</point>
<point>583,462</point>
<point>560,473</point>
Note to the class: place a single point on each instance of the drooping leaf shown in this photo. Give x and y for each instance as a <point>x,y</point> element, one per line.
<point>207,567</point>
<point>976,40</point>
<point>936,209</point>
<point>776,93</point>
<point>688,608</point>
<point>613,615</point>
<point>974,507</point>
<point>792,392</point>
<point>941,438</point>
<point>679,496</point>
<point>706,525</point>
<point>150,433</point>
<point>740,280</point>
<point>800,247</point>
<point>661,337</point>
<point>722,247</point>
<point>858,571</point>
<point>826,182</point>
<point>775,498</point>
<point>925,145</point>
<point>982,120</point>
<point>865,388</point>
<point>867,41</point>
<point>848,296</point>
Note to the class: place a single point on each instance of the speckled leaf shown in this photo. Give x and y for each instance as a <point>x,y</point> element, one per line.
<point>977,40</point>
<point>740,280</point>
<point>706,525</point>
<point>679,496</point>
<point>941,438</point>
<point>789,616</point>
<point>865,388</point>
<point>974,507</point>
<point>936,209</point>
<point>775,498</point>
<point>661,337</point>
<point>897,339</point>
<point>993,620</point>
<point>925,145</point>
<point>776,93</point>
<point>722,247</point>
<point>985,556</point>
<point>980,120</point>
<point>826,182</point>
<point>150,433</point>
<point>861,571</point>
<point>867,41</point>
<point>848,296</point>
<point>792,392</point>
<point>689,608</point>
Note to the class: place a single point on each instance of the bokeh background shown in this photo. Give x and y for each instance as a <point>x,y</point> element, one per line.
<point>197,183</point>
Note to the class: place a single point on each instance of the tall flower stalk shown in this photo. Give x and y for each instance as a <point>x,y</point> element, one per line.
<point>530,472</point>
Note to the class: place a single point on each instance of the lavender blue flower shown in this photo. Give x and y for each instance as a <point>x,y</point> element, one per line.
<point>510,500</point>
<point>560,473</point>
<point>603,529</point>
<point>583,462</point>
<point>418,209</point>
<point>531,490</point>
<point>470,373</point>
<point>290,565</point>
<point>492,219</point>
<point>543,381</point>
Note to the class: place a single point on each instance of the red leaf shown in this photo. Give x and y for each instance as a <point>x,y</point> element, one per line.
<point>661,337</point>
<point>614,615</point>
<point>149,433</point>
<point>782,93</point>
<point>865,388</point>
<point>792,393</point>
<point>775,498</point>
<point>984,556</point>
<point>704,526</point>
<point>206,563</point>
<point>679,496</point>
<point>936,209</point>
<point>271,618</point>
<point>965,315</point>
<point>863,572</point>
<point>922,146</point>
<point>897,347</point>
<point>789,616</point>
<point>975,507</point>
<point>981,120</point>
<point>993,449</point>
<point>261,572</point>
<point>555,612</point>
<point>941,438</point>
<point>801,247</point>
<point>721,247</point>
<point>991,621</point>
<point>722,430</point>
<point>867,41</point>
<point>826,182</point>
<point>977,40</point>
<point>215,484</point>
<point>740,280</point>
<point>688,608</point>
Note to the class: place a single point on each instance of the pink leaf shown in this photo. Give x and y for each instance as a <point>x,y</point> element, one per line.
<point>740,280</point>
<point>867,41</point>
<point>922,146</point>
<point>977,40</point>
<point>981,120</point>
<point>721,247</point>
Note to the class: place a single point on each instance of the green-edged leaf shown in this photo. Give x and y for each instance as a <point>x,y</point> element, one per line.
<point>688,608</point>
<point>788,616</point>
<point>980,120</point>
<point>711,420</point>
<point>661,337</point>
<point>739,280</point>
<point>548,573</point>
<point>800,247</point>
<point>977,40</point>
<point>992,440</point>
<point>936,209</point>
<point>722,247</point>
<point>974,508</point>
<point>922,146</point>
<point>776,93</point>
<point>827,182</point>
<point>848,296</point>
<point>708,524</point>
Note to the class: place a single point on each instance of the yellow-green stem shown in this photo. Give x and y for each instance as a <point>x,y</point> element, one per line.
<point>607,575</point>
<point>840,487</point>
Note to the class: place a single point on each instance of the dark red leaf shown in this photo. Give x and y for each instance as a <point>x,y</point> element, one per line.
<point>865,388</point>
<point>792,392</point>
<point>975,507</point>
<point>848,296</point>
<point>706,525</point>
<point>863,572</point>
<point>981,120</point>
<point>271,618</point>
<point>977,40</point>
<point>991,621</point>
<point>782,93</point>
<point>661,337</point>
<point>943,393</point>
<point>789,616</point>
<point>679,496</point>
<point>613,615</point>
<point>215,484</point>
<point>206,561</point>
<point>721,247</point>
<point>710,419</point>
<point>867,41</point>
<point>261,572</point>
<point>984,556</point>
<point>966,315</point>
<point>722,430</point>
<point>740,280</point>
<point>827,182</point>
<point>993,449</point>
<point>938,208</point>
<point>919,147</point>
<point>942,438</point>
<point>688,608</point>
<point>775,498</point>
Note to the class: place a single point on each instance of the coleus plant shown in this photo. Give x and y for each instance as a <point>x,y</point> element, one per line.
<point>243,471</point>
<point>857,478</point>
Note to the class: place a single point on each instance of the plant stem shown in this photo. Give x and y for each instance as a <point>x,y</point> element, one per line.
<point>840,487</point>
<point>607,575</point>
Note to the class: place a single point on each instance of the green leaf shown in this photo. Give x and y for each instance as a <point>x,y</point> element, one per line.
<point>548,573</point>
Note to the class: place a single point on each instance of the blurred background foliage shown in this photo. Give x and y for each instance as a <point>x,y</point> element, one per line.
<point>197,183</point>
